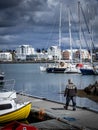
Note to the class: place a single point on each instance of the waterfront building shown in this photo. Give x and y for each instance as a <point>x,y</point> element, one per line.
<point>66,54</point>
<point>54,52</point>
<point>85,55</point>
<point>5,56</point>
<point>42,56</point>
<point>23,51</point>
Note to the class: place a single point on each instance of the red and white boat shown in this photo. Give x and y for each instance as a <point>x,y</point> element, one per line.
<point>18,126</point>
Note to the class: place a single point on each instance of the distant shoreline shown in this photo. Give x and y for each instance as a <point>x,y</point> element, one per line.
<point>25,62</point>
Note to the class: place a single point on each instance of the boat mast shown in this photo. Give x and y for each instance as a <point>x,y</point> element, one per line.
<point>60,28</point>
<point>79,30</point>
<point>91,41</point>
<point>71,54</point>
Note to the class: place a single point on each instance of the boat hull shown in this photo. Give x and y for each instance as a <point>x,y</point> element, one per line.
<point>18,114</point>
<point>1,79</point>
<point>18,126</point>
<point>55,70</point>
<point>87,71</point>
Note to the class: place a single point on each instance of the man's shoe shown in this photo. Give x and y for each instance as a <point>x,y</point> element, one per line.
<point>66,107</point>
<point>74,109</point>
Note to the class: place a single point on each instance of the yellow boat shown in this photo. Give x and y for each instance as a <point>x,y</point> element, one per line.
<point>11,111</point>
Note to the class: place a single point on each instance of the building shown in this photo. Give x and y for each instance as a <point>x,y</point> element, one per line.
<point>66,54</point>
<point>54,52</point>
<point>85,55</point>
<point>5,56</point>
<point>23,51</point>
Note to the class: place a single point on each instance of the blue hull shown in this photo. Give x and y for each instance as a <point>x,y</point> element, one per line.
<point>87,71</point>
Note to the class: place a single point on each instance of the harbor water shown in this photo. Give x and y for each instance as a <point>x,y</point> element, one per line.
<point>29,79</point>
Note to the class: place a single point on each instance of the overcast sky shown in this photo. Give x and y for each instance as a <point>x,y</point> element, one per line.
<point>36,22</point>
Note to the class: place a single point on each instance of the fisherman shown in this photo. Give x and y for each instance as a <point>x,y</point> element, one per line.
<point>70,93</point>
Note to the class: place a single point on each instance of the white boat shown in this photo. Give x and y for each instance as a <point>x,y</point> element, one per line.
<point>11,108</point>
<point>8,94</point>
<point>72,68</point>
<point>11,111</point>
<point>43,68</point>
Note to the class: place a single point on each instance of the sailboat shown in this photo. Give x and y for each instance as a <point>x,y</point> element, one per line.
<point>60,66</point>
<point>89,69</point>
<point>72,68</point>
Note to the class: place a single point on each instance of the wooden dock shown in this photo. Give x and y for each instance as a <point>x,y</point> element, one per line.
<point>81,119</point>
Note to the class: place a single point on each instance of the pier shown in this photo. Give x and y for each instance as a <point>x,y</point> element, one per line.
<point>81,119</point>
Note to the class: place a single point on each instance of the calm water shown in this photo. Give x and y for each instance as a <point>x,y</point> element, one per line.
<point>30,79</point>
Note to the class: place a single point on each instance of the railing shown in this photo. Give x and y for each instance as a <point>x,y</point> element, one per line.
<point>7,84</point>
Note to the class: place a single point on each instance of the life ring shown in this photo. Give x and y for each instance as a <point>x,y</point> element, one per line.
<point>61,64</point>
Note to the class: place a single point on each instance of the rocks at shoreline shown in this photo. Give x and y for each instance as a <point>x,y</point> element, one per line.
<point>92,89</point>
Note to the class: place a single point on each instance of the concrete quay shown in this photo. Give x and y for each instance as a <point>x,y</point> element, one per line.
<point>81,119</point>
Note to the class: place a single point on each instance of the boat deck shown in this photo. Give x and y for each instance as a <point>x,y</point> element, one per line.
<point>61,118</point>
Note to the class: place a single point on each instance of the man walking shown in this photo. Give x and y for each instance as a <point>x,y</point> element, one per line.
<point>70,93</point>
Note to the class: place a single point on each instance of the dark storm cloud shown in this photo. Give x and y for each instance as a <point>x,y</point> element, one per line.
<point>8,3</point>
<point>13,12</point>
<point>22,18</point>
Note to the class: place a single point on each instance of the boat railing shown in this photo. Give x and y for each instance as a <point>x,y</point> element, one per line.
<point>7,84</point>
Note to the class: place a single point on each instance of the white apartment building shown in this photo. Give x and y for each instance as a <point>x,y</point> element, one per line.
<point>23,50</point>
<point>5,56</point>
<point>54,52</point>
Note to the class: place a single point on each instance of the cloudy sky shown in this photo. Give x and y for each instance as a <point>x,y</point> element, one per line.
<point>36,22</point>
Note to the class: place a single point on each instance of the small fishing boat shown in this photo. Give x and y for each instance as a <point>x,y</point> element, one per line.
<point>11,111</point>
<point>11,108</point>
<point>15,125</point>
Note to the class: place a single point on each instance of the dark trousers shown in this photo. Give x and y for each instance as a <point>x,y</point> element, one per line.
<point>73,98</point>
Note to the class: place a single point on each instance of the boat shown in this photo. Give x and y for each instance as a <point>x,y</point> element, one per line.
<point>11,111</point>
<point>15,125</point>
<point>58,68</point>
<point>72,68</point>
<point>89,70</point>
<point>60,65</point>
<point>1,78</point>
<point>42,68</point>
<point>11,108</point>
<point>7,94</point>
